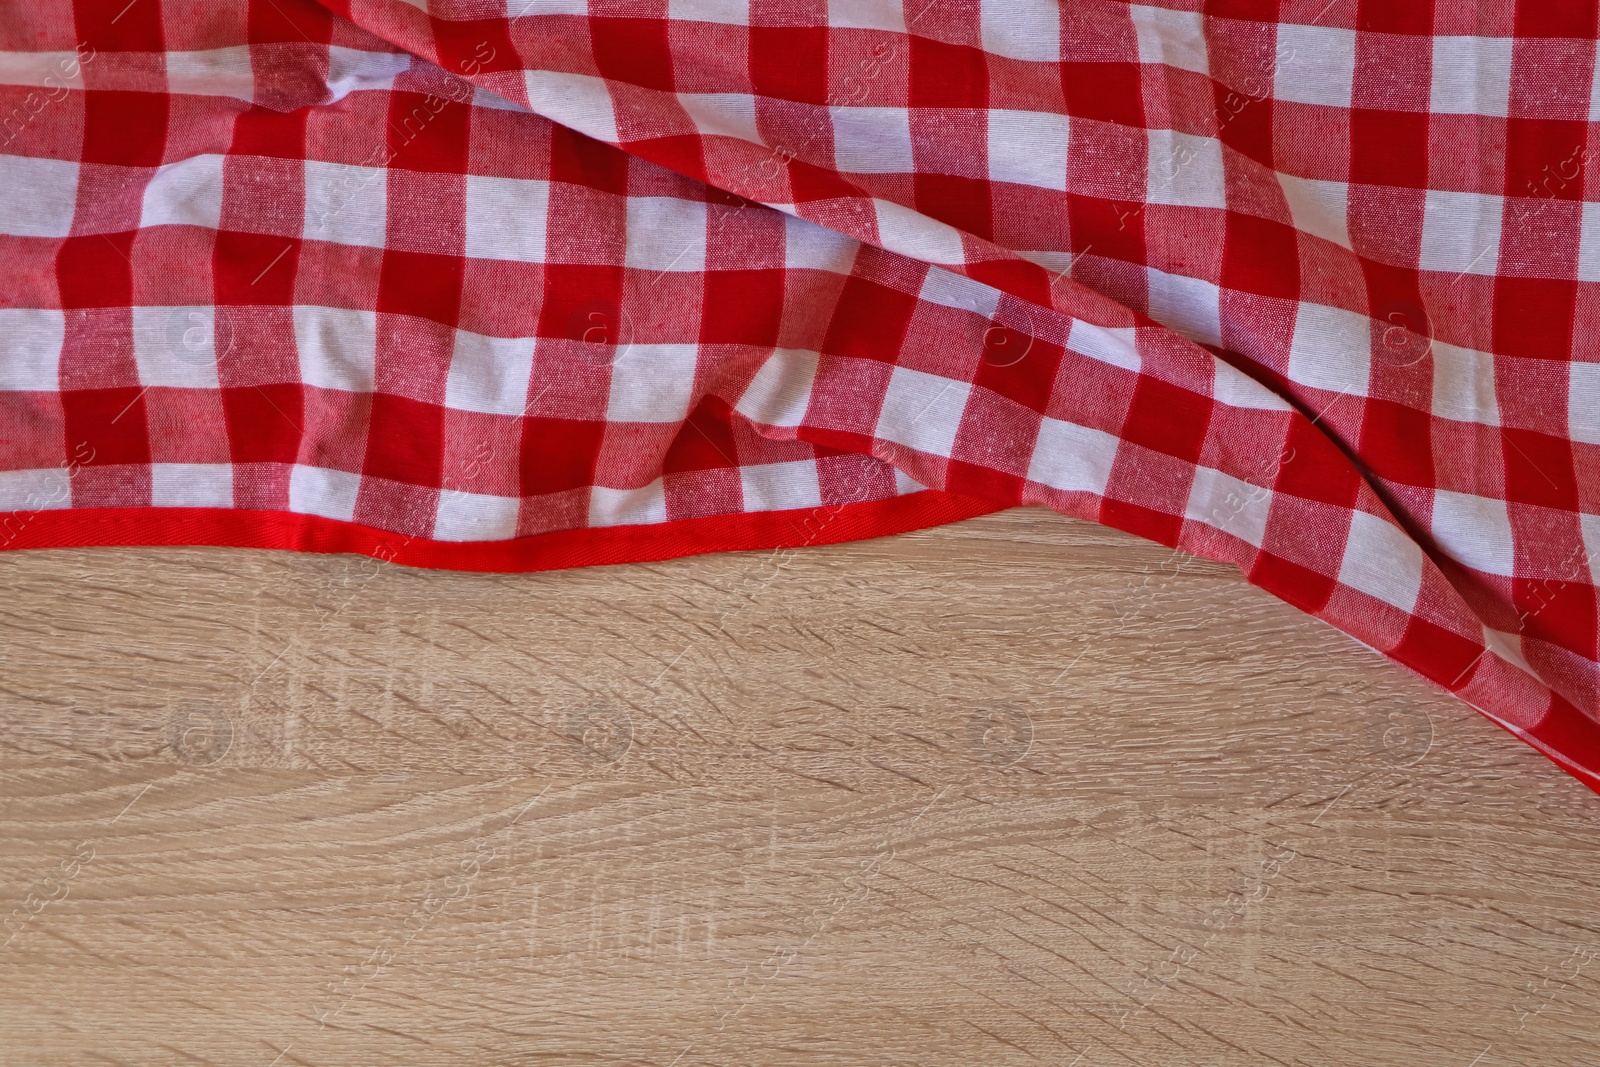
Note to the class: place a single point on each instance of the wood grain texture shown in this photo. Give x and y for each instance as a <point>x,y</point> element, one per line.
<point>1015,791</point>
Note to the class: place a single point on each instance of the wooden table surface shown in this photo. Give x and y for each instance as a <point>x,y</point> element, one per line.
<point>1016,791</point>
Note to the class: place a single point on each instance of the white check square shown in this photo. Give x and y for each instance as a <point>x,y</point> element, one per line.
<point>628,507</point>
<point>1471,76</point>
<point>191,485</point>
<point>872,140</point>
<point>722,114</point>
<point>346,204</point>
<point>1022,29</point>
<point>886,15</point>
<point>1331,349</point>
<point>900,229</point>
<point>1315,65</point>
<point>30,349</point>
<point>780,392</point>
<point>922,411</point>
<point>653,383</point>
<point>34,490</point>
<point>1461,232</point>
<point>1583,402</point>
<point>665,234</point>
<point>185,193</point>
<point>1175,38</point>
<point>1188,306</point>
<point>41,196</point>
<point>214,72</point>
<point>323,491</point>
<point>464,516</point>
<point>1588,238</point>
<point>780,486</point>
<point>1463,385</point>
<point>727,12</point>
<point>1320,208</point>
<point>337,346</point>
<point>175,347</point>
<point>1474,530</point>
<point>1115,345</point>
<point>1381,561</point>
<point>489,374</point>
<point>1072,458</point>
<point>1028,148</point>
<point>579,101</point>
<point>1226,503</point>
<point>1186,170</point>
<point>808,246</point>
<point>506,218</point>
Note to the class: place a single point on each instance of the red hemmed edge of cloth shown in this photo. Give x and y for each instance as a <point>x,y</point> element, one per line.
<point>1567,737</point>
<point>585,547</point>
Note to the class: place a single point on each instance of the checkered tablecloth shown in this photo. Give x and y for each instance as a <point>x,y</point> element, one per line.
<point>1308,286</point>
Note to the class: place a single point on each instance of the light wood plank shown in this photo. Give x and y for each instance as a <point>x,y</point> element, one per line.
<point>1020,790</point>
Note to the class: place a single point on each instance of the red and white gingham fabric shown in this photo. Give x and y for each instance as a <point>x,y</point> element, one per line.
<point>1310,286</point>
